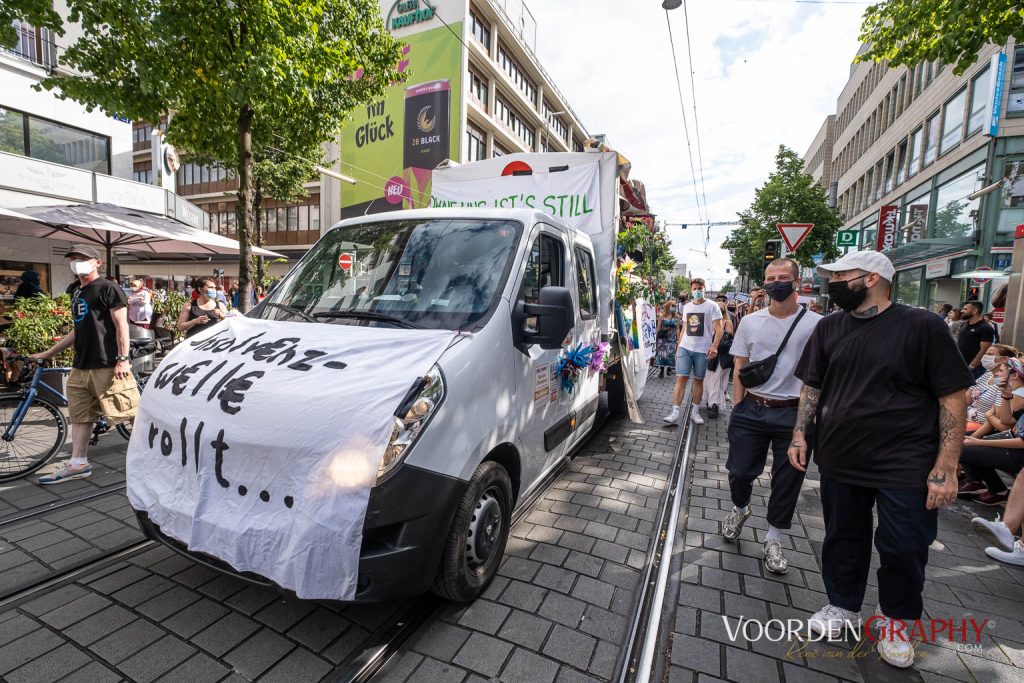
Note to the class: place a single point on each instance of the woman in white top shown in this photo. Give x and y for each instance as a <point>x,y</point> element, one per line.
<point>140,305</point>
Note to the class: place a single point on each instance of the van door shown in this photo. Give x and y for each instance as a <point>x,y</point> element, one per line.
<point>587,332</point>
<point>543,408</point>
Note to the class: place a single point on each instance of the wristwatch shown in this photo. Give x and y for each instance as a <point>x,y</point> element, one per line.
<point>120,358</point>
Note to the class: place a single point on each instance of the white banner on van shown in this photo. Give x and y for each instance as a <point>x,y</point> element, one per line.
<point>648,329</point>
<point>258,443</point>
<point>573,194</point>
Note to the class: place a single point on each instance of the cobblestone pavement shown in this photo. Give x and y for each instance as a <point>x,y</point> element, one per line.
<point>719,578</point>
<point>557,610</point>
<point>560,606</point>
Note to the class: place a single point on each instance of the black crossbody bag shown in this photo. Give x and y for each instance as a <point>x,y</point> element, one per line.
<point>757,373</point>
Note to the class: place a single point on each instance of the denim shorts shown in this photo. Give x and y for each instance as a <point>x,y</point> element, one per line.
<point>691,363</point>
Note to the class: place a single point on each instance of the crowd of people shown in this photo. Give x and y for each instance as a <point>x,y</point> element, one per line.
<point>902,410</point>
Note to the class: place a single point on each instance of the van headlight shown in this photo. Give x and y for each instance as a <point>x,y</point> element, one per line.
<point>411,419</point>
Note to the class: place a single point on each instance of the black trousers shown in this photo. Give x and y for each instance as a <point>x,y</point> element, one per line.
<point>981,462</point>
<point>905,531</point>
<point>752,429</point>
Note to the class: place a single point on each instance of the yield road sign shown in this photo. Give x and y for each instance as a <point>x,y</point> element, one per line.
<point>345,261</point>
<point>846,238</point>
<point>794,233</point>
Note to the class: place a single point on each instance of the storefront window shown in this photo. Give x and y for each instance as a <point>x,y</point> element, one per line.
<point>953,208</point>
<point>12,132</point>
<point>69,146</point>
<point>10,278</point>
<point>908,286</point>
<point>915,217</point>
<point>1011,212</point>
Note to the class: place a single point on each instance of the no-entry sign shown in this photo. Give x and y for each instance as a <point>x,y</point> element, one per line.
<point>794,233</point>
<point>345,261</point>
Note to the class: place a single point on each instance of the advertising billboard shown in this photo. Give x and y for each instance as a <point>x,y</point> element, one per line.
<point>391,146</point>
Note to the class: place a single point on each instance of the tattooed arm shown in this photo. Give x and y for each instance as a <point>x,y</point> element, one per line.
<point>804,419</point>
<point>942,483</point>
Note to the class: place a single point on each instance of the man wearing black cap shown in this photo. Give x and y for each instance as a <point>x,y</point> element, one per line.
<point>101,381</point>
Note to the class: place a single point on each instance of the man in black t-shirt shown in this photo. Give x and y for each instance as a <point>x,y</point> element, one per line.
<point>884,388</point>
<point>101,382</point>
<point>976,335</point>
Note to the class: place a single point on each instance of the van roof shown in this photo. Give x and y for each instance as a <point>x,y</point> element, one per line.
<point>526,216</point>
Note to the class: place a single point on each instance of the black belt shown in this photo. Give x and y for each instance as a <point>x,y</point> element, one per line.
<point>773,402</point>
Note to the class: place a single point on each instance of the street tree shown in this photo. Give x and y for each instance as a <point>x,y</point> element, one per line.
<point>239,79</point>
<point>680,285</point>
<point>38,13</point>
<point>788,196</point>
<point>726,288</point>
<point>909,32</point>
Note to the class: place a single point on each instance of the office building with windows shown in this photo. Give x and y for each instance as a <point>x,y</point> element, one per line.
<point>911,148</point>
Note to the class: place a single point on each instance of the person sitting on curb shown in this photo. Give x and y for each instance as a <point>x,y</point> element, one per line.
<point>1007,548</point>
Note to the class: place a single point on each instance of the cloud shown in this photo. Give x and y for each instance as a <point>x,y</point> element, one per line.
<point>766,73</point>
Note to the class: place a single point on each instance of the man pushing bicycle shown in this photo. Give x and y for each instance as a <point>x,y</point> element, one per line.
<point>101,381</point>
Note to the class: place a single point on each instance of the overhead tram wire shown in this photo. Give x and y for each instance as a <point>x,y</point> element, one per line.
<point>696,125</point>
<point>682,108</point>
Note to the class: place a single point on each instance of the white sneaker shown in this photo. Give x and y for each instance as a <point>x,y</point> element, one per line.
<point>673,417</point>
<point>893,645</point>
<point>831,621</point>
<point>1015,556</point>
<point>695,415</point>
<point>995,531</point>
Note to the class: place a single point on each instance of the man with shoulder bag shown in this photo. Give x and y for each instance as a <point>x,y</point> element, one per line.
<point>766,393</point>
<point>885,390</point>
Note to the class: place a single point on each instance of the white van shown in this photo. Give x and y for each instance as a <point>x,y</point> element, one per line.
<point>396,397</point>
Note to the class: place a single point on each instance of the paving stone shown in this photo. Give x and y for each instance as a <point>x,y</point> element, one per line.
<point>259,653</point>
<point>156,659</point>
<point>606,656</point>
<point>483,654</point>
<point>282,614</point>
<point>167,603</point>
<point>525,629</point>
<point>399,668</point>
<point>433,671</point>
<point>54,599</point>
<point>572,647</point>
<point>94,672</point>
<point>741,665</point>
<point>563,609</point>
<point>101,624</point>
<point>127,640</point>
<point>441,641</point>
<point>195,617</point>
<point>523,596</point>
<point>519,568</point>
<point>198,669</point>
<point>299,665</point>
<point>225,634</point>
<point>317,630</point>
<point>527,666</point>
<point>593,591</point>
<point>484,616</point>
<point>555,578</point>
<point>76,610</point>
<point>584,564</point>
<point>252,599</point>
<point>549,553</point>
<point>144,590</point>
<point>344,646</point>
<point>16,626</point>
<point>604,624</point>
<point>27,648</point>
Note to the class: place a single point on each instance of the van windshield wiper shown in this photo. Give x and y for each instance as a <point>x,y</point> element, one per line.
<point>290,309</point>
<point>368,315</point>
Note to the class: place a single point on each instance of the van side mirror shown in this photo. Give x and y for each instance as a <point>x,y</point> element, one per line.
<point>554,319</point>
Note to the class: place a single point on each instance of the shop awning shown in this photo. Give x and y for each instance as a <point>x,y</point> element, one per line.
<point>926,249</point>
<point>118,228</point>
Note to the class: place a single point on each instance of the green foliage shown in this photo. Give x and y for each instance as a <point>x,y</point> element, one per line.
<point>680,286</point>
<point>39,13</point>
<point>244,80</point>
<point>908,32</point>
<point>788,196</point>
<point>636,277</point>
<point>726,288</point>
<point>169,306</point>
<point>39,322</point>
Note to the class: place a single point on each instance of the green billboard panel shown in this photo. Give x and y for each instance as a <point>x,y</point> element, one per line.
<point>391,146</point>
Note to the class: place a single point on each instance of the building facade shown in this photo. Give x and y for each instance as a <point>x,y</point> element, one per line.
<point>911,149</point>
<point>818,159</point>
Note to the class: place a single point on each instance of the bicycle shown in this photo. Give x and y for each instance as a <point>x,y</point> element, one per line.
<point>33,426</point>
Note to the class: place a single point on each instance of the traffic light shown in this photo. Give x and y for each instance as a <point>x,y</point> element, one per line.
<point>772,251</point>
<point>973,294</point>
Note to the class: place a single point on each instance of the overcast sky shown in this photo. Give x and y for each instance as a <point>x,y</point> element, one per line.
<point>766,73</point>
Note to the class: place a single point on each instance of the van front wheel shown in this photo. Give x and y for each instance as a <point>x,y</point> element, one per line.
<point>476,540</point>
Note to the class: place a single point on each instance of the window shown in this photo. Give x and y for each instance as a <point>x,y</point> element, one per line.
<point>901,162</point>
<point>12,132</point>
<point>585,283</point>
<point>61,144</point>
<point>553,117</point>
<point>908,286</point>
<point>916,139</point>
<point>577,145</point>
<point>144,175</point>
<point>932,141</point>
<point>952,207</point>
<point>1016,103</point>
<point>510,66</point>
<point>979,95</point>
<point>890,163</point>
<point>141,134</point>
<point>515,121</point>
<point>953,122</point>
<point>481,30</point>
<point>478,87</point>
<point>500,151</point>
<point>476,143</point>
<point>544,268</point>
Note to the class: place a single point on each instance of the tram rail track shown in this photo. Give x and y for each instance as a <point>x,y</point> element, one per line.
<point>38,510</point>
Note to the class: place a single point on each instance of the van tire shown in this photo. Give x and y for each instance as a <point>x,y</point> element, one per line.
<point>487,502</point>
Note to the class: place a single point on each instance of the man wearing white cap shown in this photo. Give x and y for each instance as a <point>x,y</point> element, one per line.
<point>884,387</point>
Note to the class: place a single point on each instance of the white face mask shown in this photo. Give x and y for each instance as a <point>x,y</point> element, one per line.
<point>81,268</point>
<point>211,294</point>
<point>988,362</point>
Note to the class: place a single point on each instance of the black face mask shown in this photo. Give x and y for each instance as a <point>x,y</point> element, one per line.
<point>846,298</point>
<point>779,291</point>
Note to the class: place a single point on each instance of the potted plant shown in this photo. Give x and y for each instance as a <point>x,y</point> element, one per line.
<point>37,323</point>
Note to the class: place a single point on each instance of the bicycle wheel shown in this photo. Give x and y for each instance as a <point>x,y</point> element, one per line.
<point>125,428</point>
<point>40,436</point>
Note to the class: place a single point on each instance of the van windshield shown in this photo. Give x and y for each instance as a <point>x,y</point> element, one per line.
<point>439,273</point>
